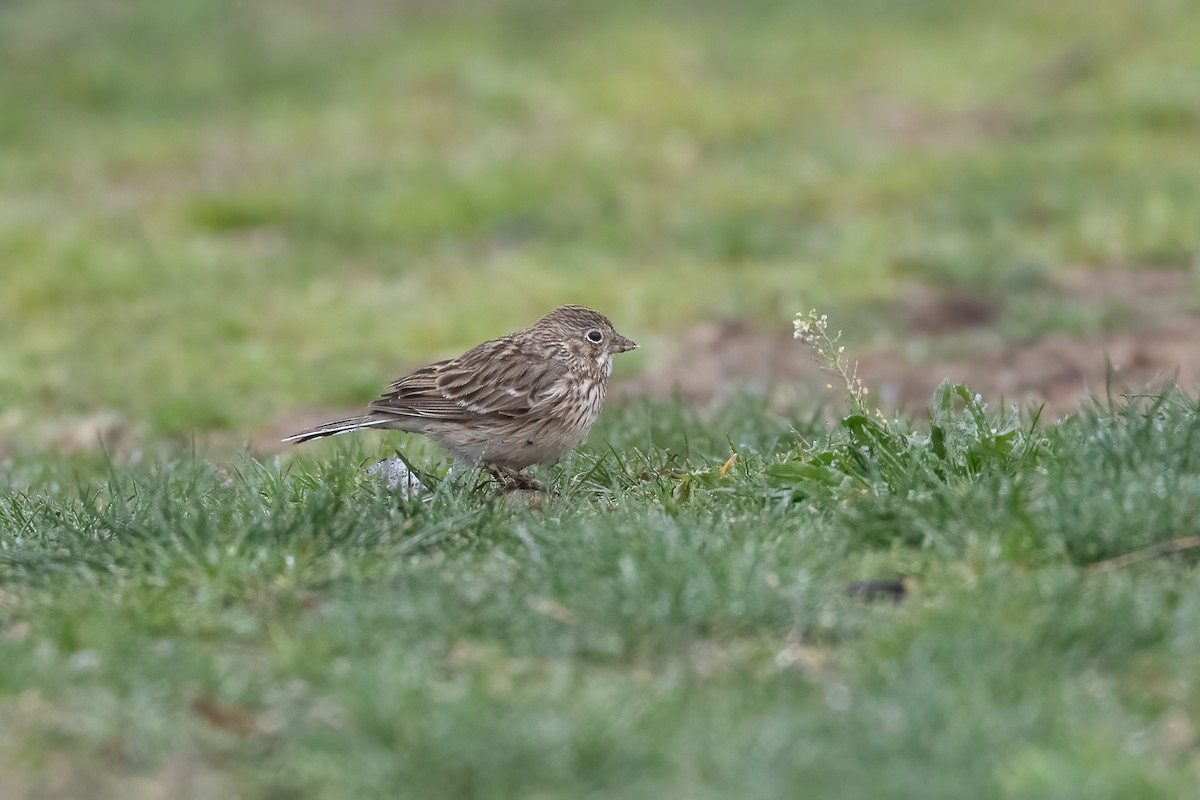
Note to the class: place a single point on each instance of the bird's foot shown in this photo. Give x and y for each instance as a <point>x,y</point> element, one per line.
<point>514,481</point>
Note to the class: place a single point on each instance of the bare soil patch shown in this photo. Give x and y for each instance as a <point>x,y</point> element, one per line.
<point>714,361</point>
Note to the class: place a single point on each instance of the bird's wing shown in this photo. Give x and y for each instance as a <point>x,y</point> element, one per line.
<point>496,378</point>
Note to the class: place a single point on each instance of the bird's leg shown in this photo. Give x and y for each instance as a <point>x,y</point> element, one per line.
<point>527,483</point>
<point>512,480</point>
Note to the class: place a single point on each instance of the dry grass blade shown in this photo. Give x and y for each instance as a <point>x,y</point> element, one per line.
<point>1143,554</point>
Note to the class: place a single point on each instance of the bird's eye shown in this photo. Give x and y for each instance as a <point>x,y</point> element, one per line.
<point>595,337</point>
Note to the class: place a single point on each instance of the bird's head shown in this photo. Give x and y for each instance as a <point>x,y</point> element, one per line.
<point>583,334</point>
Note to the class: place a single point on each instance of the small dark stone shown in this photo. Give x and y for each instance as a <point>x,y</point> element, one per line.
<point>894,590</point>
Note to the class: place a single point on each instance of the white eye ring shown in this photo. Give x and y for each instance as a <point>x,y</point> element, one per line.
<point>595,337</point>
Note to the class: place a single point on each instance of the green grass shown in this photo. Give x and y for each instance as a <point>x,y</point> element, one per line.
<point>655,629</point>
<point>212,211</point>
<point>215,214</point>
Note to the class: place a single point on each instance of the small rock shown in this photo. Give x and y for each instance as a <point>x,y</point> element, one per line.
<point>876,591</point>
<point>399,477</point>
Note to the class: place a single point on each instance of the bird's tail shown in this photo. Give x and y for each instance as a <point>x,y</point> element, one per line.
<point>334,428</point>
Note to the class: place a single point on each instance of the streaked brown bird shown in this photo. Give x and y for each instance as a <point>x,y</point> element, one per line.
<point>526,398</point>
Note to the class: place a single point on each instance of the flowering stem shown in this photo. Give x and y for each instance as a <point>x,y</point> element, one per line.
<point>813,330</point>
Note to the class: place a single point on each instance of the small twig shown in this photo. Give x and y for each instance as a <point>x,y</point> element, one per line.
<point>1145,553</point>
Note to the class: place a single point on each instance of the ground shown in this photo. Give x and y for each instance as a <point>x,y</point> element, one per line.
<point>1148,343</point>
<point>217,215</point>
<point>222,222</point>
<point>940,334</point>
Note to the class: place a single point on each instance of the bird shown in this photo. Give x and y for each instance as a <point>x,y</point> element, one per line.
<point>526,398</point>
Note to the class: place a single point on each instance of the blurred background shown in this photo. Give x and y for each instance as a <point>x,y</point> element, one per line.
<point>232,218</point>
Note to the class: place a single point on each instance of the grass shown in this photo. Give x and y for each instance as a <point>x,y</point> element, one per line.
<point>259,206</point>
<point>216,213</point>
<point>655,629</point>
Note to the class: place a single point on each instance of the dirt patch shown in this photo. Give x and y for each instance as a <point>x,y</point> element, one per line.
<point>712,362</point>
<point>1057,371</point>
<point>721,360</point>
<point>929,312</point>
<point>1134,287</point>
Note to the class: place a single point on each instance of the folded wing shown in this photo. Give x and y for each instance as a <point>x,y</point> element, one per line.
<point>495,379</point>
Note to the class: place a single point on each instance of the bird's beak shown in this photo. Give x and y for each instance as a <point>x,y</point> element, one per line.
<point>622,344</point>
